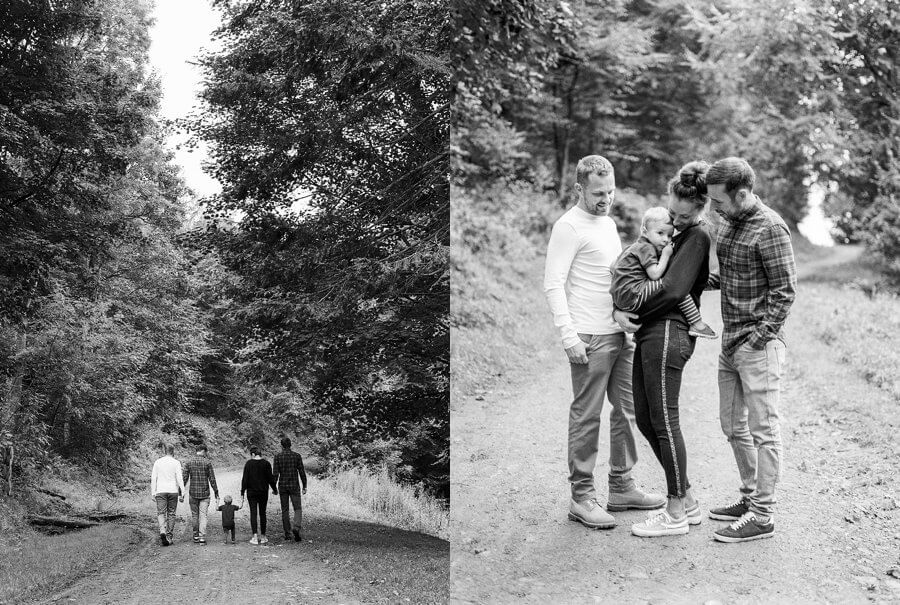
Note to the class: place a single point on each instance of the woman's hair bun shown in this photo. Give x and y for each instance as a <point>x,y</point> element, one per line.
<point>690,182</point>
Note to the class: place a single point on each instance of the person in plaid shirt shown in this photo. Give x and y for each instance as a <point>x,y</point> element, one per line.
<point>757,278</point>
<point>287,467</point>
<point>199,472</point>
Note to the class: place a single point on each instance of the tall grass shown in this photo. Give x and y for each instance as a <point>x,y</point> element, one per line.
<point>391,503</point>
<point>35,564</point>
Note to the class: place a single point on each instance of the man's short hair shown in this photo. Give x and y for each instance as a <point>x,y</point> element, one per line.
<point>170,449</point>
<point>592,164</point>
<point>734,173</point>
<point>286,442</point>
<point>254,450</point>
<point>201,447</point>
<point>656,214</point>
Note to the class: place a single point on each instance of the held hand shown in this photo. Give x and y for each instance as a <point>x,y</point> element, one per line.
<point>577,353</point>
<point>304,491</point>
<point>667,250</point>
<point>181,498</point>
<point>625,319</point>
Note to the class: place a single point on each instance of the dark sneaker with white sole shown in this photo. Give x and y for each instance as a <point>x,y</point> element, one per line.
<point>702,331</point>
<point>745,529</point>
<point>732,512</point>
<point>163,540</point>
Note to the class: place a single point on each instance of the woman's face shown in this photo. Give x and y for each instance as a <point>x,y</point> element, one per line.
<point>684,213</point>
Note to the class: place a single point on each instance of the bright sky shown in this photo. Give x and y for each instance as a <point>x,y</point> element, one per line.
<point>183,28</point>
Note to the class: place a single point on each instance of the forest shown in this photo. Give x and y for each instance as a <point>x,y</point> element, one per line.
<point>805,90</point>
<point>308,299</point>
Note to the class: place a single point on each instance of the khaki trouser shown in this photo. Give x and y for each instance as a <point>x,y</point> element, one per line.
<point>749,388</point>
<point>608,372</point>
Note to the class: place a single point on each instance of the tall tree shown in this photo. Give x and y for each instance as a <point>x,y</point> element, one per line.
<point>328,128</point>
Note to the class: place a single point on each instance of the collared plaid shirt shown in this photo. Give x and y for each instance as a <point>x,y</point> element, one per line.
<point>200,472</point>
<point>757,277</point>
<point>287,465</point>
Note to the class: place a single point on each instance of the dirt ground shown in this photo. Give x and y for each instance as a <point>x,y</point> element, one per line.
<point>341,560</point>
<point>837,535</point>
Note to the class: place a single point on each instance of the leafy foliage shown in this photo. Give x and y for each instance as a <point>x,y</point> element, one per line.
<point>328,125</point>
<point>97,322</point>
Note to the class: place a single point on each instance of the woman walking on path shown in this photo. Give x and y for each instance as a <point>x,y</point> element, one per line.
<point>256,481</point>
<point>663,347</point>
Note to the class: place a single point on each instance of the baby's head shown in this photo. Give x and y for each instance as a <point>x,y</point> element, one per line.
<point>227,499</point>
<point>657,226</point>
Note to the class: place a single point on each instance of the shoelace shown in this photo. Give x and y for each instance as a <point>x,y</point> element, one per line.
<point>656,517</point>
<point>745,518</point>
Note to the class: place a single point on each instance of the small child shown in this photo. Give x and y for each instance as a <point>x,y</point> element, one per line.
<point>228,517</point>
<point>638,270</point>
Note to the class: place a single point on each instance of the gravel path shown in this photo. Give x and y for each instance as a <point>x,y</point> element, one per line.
<point>836,523</point>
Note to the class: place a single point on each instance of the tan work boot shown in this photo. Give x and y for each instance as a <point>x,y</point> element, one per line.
<point>590,514</point>
<point>634,499</point>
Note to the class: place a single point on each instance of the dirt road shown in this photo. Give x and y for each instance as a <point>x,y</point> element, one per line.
<point>340,561</point>
<point>837,534</point>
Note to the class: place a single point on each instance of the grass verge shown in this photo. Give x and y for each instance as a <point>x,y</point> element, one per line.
<point>35,564</point>
<point>377,497</point>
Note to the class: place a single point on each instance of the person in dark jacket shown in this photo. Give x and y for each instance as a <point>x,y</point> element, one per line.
<point>663,345</point>
<point>255,482</point>
<point>288,467</point>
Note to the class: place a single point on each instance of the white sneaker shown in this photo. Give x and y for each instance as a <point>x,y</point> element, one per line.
<point>695,517</point>
<point>660,524</point>
<point>254,540</point>
<point>263,540</point>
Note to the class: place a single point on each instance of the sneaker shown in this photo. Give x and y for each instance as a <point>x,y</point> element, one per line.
<point>660,524</point>
<point>163,540</point>
<point>196,539</point>
<point>201,540</point>
<point>254,540</point>
<point>233,542</point>
<point>263,540</point>
<point>732,512</point>
<point>634,499</point>
<point>704,332</point>
<point>297,537</point>
<point>590,514</point>
<point>694,515</point>
<point>745,529</point>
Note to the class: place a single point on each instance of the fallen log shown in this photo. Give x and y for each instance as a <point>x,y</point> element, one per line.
<point>49,493</point>
<point>106,516</point>
<point>66,523</point>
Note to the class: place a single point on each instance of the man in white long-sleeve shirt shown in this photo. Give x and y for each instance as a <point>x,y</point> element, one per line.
<point>584,244</point>
<point>167,488</point>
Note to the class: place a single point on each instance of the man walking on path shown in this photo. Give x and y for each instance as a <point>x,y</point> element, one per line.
<point>167,488</point>
<point>583,246</point>
<point>286,468</point>
<point>758,279</point>
<point>199,472</point>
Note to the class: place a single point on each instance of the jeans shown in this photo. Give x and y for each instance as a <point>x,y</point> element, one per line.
<point>199,510</point>
<point>608,372</point>
<point>166,504</point>
<point>258,502</point>
<point>296,502</point>
<point>663,348</point>
<point>749,387</point>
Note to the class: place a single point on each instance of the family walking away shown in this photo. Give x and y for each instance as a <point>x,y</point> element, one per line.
<point>629,323</point>
<point>170,480</point>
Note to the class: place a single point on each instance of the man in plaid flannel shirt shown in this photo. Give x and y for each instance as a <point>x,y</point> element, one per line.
<point>757,278</point>
<point>286,468</point>
<point>199,471</point>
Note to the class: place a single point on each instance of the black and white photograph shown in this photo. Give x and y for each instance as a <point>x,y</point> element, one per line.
<point>675,233</point>
<point>224,301</point>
